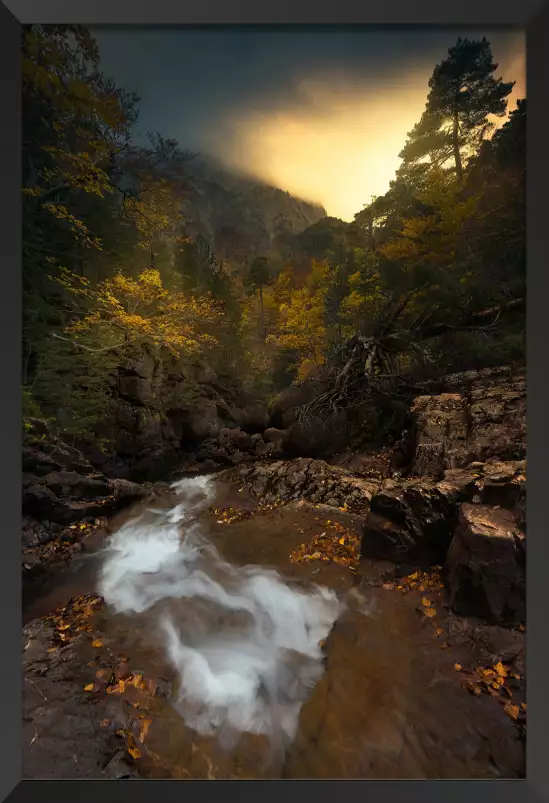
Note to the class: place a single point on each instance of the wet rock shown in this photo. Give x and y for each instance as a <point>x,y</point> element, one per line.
<point>126,492</point>
<point>313,480</point>
<point>411,524</point>
<point>485,565</point>
<point>414,520</point>
<point>212,451</point>
<point>208,465</point>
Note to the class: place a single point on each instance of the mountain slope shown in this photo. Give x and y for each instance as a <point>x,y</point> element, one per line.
<point>242,216</point>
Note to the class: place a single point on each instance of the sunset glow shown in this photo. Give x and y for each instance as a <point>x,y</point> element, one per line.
<point>342,146</point>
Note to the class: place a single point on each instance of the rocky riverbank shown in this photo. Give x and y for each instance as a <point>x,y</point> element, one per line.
<point>438,517</point>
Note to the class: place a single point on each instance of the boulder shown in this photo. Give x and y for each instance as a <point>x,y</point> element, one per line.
<point>415,520</point>
<point>235,438</point>
<point>126,492</point>
<point>485,565</point>
<point>201,421</point>
<point>273,435</point>
<point>253,417</point>
<point>60,496</point>
<point>413,524</point>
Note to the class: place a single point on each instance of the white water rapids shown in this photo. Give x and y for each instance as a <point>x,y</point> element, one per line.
<point>244,643</point>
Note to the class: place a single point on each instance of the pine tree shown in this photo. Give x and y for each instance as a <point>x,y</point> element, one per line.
<point>464,93</point>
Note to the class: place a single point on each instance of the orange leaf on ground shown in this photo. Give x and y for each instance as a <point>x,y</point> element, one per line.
<point>500,669</point>
<point>145,725</point>
<point>512,710</point>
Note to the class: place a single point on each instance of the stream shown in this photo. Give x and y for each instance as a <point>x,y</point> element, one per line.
<point>278,669</point>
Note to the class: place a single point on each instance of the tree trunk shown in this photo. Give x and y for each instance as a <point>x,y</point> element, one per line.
<point>262,312</point>
<point>455,140</point>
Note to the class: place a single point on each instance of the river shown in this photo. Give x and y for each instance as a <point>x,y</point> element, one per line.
<point>279,669</point>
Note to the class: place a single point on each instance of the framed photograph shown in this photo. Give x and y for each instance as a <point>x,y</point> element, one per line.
<point>265,303</point>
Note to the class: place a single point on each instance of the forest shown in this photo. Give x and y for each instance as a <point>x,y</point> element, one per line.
<point>427,279</point>
<point>274,462</point>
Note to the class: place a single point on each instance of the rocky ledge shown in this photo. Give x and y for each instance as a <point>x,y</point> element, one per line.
<point>64,501</point>
<point>458,501</point>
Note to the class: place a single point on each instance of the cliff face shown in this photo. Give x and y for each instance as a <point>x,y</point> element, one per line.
<point>242,216</point>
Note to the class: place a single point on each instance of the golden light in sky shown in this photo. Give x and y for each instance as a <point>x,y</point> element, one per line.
<point>341,146</point>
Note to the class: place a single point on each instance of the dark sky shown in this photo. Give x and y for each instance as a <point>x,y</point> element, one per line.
<point>321,113</point>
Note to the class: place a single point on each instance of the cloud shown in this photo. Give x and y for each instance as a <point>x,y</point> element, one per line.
<point>322,114</point>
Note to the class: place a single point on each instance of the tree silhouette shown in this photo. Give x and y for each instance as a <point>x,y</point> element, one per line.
<point>463,95</point>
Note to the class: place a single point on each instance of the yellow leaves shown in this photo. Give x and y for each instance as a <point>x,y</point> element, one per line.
<point>97,643</point>
<point>134,751</point>
<point>145,725</point>
<point>120,687</point>
<point>430,612</point>
<point>425,602</point>
<point>458,667</point>
<point>90,687</point>
<point>500,669</point>
<point>142,308</point>
<point>339,546</point>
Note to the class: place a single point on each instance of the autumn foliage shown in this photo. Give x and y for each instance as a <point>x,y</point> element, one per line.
<point>109,264</point>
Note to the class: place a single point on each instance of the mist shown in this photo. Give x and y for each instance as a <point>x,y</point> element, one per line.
<point>322,114</point>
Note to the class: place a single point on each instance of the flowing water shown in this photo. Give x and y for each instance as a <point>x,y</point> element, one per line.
<point>278,669</point>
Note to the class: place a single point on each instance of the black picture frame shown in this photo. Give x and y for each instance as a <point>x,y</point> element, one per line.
<point>530,15</point>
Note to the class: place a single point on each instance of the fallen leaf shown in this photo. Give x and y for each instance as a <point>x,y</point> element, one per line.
<point>458,667</point>
<point>97,643</point>
<point>430,612</point>
<point>512,710</point>
<point>133,750</point>
<point>105,723</point>
<point>426,602</point>
<point>145,725</point>
<point>487,673</point>
<point>500,669</point>
<point>90,687</point>
<point>439,631</point>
